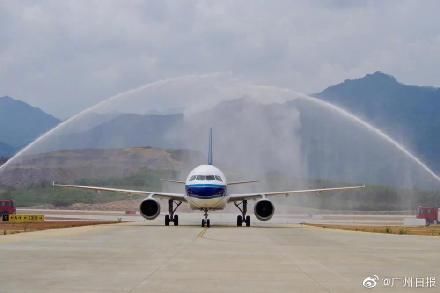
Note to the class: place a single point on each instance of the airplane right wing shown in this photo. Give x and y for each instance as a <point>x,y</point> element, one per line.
<point>173,181</point>
<point>164,195</point>
<point>246,196</point>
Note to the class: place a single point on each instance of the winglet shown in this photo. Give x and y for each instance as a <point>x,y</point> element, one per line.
<point>210,147</point>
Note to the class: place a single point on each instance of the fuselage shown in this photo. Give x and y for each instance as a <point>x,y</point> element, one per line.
<point>206,188</point>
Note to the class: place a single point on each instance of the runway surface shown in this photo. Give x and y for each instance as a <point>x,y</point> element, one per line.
<point>228,218</point>
<point>148,257</point>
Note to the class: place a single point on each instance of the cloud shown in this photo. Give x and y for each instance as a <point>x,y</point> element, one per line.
<point>67,55</point>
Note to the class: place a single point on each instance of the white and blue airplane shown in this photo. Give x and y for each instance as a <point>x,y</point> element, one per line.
<point>206,189</point>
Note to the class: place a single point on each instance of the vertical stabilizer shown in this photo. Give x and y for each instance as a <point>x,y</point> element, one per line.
<point>210,147</point>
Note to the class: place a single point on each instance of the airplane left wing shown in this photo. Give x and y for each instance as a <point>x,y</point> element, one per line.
<point>246,196</point>
<point>164,195</point>
<point>242,182</point>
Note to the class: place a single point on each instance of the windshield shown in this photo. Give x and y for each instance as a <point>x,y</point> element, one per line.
<point>206,177</point>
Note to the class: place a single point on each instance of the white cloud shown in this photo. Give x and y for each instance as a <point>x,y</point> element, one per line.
<point>67,55</point>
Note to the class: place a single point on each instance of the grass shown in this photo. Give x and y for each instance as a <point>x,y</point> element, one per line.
<point>371,198</point>
<point>57,197</point>
<point>45,194</point>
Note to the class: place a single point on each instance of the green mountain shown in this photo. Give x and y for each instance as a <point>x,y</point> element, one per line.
<point>21,123</point>
<point>408,113</point>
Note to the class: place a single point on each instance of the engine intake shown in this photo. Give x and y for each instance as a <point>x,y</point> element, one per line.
<point>150,208</point>
<point>264,209</point>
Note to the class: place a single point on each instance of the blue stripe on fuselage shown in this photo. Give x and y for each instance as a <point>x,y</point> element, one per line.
<point>205,190</point>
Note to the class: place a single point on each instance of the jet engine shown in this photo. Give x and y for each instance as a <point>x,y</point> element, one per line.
<point>264,209</point>
<point>150,208</point>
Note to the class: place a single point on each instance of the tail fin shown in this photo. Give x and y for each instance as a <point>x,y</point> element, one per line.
<point>210,147</point>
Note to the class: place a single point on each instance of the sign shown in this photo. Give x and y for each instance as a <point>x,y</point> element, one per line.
<point>25,218</point>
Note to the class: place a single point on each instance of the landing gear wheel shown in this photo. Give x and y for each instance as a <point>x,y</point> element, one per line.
<point>205,219</point>
<point>248,221</point>
<point>239,221</point>
<point>172,208</point>
<point>242,206</point>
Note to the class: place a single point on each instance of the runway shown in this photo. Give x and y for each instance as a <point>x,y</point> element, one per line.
<point>225,218</point>
<point>148,257</point>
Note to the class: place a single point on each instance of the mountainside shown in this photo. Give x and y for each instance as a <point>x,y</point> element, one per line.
<point>21,123</point>
<point>410,114</point>
<point>91,164</point>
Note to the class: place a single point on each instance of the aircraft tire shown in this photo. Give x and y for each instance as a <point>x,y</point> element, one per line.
<point>176,220</point>
<point>239,221</point>
<point>208,223</point>
<point>203,222</point>
<point>248,221</point>
<point>167,220</point>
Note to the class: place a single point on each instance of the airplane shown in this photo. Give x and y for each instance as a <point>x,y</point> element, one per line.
<point>206,189</point>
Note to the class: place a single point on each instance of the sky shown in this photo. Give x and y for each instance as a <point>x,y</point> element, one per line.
<point>65,56</point>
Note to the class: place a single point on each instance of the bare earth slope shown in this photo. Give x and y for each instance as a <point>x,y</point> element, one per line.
<point>71,165</point>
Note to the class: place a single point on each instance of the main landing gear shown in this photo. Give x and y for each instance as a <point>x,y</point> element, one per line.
<point>242,206</point>
<point>206,221</point>
<point>171,217</point>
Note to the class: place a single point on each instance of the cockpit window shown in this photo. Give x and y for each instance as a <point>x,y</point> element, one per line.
<point>206,177</point>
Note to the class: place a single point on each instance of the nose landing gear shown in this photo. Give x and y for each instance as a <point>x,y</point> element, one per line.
<point>171,217</point>
<point>206,221</point>
<point>242,206</point>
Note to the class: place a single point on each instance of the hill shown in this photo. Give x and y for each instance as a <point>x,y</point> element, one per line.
<point>29,182</point>
<point>90,164</point>
<point>21,123</point>
<point>408,113</point>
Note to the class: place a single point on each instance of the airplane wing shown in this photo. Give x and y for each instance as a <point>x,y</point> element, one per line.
<point>173,181</point>
<point>242,182</point>
<point>164,195</point>
<point>245,196</point>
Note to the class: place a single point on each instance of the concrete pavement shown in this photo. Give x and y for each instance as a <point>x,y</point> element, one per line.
<point>148,257</point>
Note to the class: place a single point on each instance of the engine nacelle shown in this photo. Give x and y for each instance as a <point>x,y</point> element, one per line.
<point>264,209</point>
<point>150,208</point>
